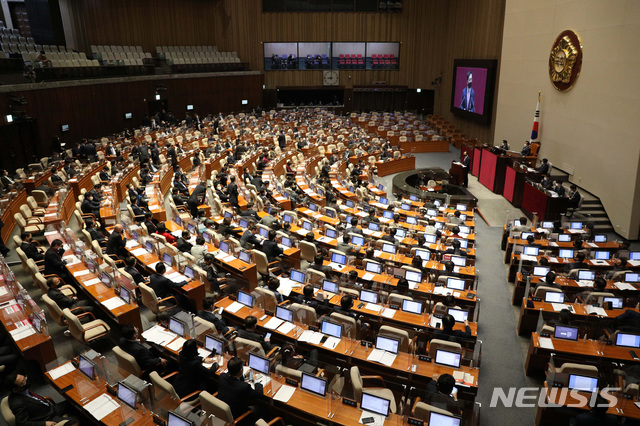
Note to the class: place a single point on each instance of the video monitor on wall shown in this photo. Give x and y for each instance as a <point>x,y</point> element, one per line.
<point>280,56</point>
<point>472,89</point>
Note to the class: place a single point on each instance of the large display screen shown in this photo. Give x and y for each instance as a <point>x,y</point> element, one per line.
<point>472,89</point>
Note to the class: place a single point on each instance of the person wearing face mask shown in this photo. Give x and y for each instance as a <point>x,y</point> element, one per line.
<point>31,409</point>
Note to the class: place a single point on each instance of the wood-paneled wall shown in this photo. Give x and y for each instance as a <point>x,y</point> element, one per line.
<point>97,110</point>
<point>432,33</point>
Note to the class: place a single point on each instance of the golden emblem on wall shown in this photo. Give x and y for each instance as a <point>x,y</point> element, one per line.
<point>565,60</point>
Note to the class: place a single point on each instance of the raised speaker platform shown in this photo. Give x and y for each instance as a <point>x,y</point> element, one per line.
<point>414,182</point>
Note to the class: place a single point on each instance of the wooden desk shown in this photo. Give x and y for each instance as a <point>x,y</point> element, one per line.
<point>413,146</point>
<point>535,201</point>
<point>492,171</point>
<point>11,207</point>
<point>32,182</point>
<point>403,164</point>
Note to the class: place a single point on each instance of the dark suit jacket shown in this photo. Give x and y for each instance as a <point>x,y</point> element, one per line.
<point>30,412</point>
<point>271,249</point>
<point>151,227</point>
<point>135,274</point>
<point>471,105</point>
<point>163,285</point>
<point>183,245</point>
<point>53,263</point>
<point>143,356</point>
<point>116,245</point>
<point>192,376</point>
<point>59,297</point>
<point>248,238</point>
<point>31,251</point>
<point>232,190</point>
<point>437,399</point>
<point>237,394</point>
<point>256,337</point>
<point>95,235</point>
<point>198,194</point>
<point>210,316</point>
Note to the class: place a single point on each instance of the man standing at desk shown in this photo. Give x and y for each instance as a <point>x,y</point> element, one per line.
<point>232,190</point>
<point>468,102</point>
<point>466,163</point>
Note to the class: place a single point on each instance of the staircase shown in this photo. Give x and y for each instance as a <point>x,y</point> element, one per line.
<point>593,211</point>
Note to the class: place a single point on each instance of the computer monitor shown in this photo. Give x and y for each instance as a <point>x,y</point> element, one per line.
<point>127,395</point>
<point>125,294</point>
<point>285,314</point>
<point>458,314</point>
<point>452,359</point>
<point>306,225</point>
<point>167,259</point>
<point>628,340</point>
<point>374,226</point>
<point>350,204</point>
<point>575,225</point>
<point>437,202</point>
<point>413,197</point>
<point>566,253</point>
<point>412,220</point>
<point>554,297</point>
<point>320,192</point>
<point>566,332</point>
<point>177,326</point>
<point>286,241</point>
<point>439,225</point>
<point>331,233</point>
<point>583,383</point>
<point>224,246</point>
<point>313,384</point>
<point>245,256</point>
<point>189,272</point>
<point>91,265</point>
<point>432,212</point>
<point>564,238</point>
<point>192,227</point>
<point>313,207</point>
<point>526,235</point>
<point>547,225</point>
<point>600,238</point>
<point>330,213</point>
<point>357,240</point>
<point>368,296</point>
<point>601,255</point>
<point>586,275</point>
<point>331,329</point>
<point>430,238</point>
<point>389,344</point>
<point>381,187</point>
<point>212,343</point>
<point>245,299</point>
<point>632,277</point>
<point>461,207</point>
<point>437,419</point>
<point>540,271</point>
<point>531,251</point>
<point>106,279</point>
<point>405,206</point>
<point>87,367</point>
<point>242,223</point>
<point>389,248</point>
<point>259,364</point>
<point>375,404</point>
<point>338,258</point>
<point>616,302</point>
<point>413,276</point>
<point>464,229</point>
<point>174,419</point>
<point>207,237</point>
<point>424,254</point>
<point>401,233</point>
<point>383,200</point>
<point>460,261</point>
<point>330,286</point>
<point>387,214</point>
<point>287,218</point>
<point>634,255</point>
<point>455,283</point>
<point>412,307</point>
<point>227,214</point>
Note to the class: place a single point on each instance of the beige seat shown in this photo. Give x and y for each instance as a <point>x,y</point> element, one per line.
<point>127,362</point>
<point>262,263</point>
<point>421,410</point>
<point>435,344</point>
<point>305,314</point>
<point>308,251</point>
<point>349,325</point>
<point>357,381</point>
<point>597,297</point>
<point>582,369</point>
<point>55,312</point>
<point>212,405</point>
<point>396,299</point>
<point>270,301</point>
<point>85,333</point>
<point>35,228</point>
<point>41,282</point>
<point>542,290</point>
<point>161,386</point>
<point>249,345</point>
<point>406,342</point>
<point>151,301</point>
<point>41,197</point>
<point>316,277</point>
<point>288,372</point>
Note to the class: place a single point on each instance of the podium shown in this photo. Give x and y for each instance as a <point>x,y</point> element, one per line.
<point>492,171</point>
<point>456,173</point>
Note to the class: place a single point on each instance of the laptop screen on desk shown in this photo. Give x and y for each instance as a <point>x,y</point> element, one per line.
<point>566,253</point>
<point>389,248</point>
<point>452,359</point>
<point>387,214</point>
<point>127,395</point>
<point>583,383</point>
<point>245,256</point>
<point>412,307</point>
<point>298,276</point>
<point>357,240</point>
<point>567,333</point>
<point>338,258</point>
<point>375,404</point>
<point>547,225</point>
<point>437,419</point>
<point>286,242</point>
<point>540,271</point>
<point>245,299</point>
<point>307,225</point>
<point>243,223</point>
<point>313,384</point>
<point>213,343</point>
<point>584,275</point>
<point>632,277</point>
<point>601,255</point>
<point>405,206</point>
<point>526,235</point>
<point>461,207</point>
<point>125,294</point>
<point>389,344</point>
<point>176,326</point>
<point>600,238</point>
<point>87,367</point>
<point>634,255</point>
<point>330,286</point>
<point>628,340</point>
<point>284,314</point>
<point>259,364</point>
<point>224,246</point>
<point>424,254</point>
<point>430,238</point>
<point>413,198</point>
<point>458,314</point>
<point>576,225</point>
<point>432,212</point>
<point>331,329</point>
<point>455,284</point>
<point>531,251</point>
<point>554,297</point>
<point>411,220</point>
<point>313,207</point>
<point>331,233</point>
<point>413,276</point>
<point>374,226</point>
<point>174,419</point>
<point>459,261</point>
<point>564,238</point>
<point>350,204</point>
<point>616,302</point>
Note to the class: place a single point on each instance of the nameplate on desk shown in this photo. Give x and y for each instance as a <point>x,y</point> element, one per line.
<point>270,313</point>
<point>545,335</point>
<point>232,297</point>
<point>291,382</point>
<point>312,328</point>
<point>413,421</point>
<point>536,299</point>
<point>159,420</point>
<point>126,422</point>
<point>396,307</point>
<point>350,402</point>
<point>471,296</point>
<point>367,344</point>
<point>424,358</point>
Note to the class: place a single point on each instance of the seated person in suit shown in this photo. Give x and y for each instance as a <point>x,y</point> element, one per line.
<point>234,391</point>
<point>32,409</point>
<point>207,314</point>
<point>558,188</point>
<point>317,265</point>
<point>546,182</point>
<point>116,243</point>
<point>574,197</point>
<point>353,228</point>
<point>249,332</point>
<point>180,186</point>
<point>29,248</point>
<point>95,234</point>
<point>416,262</point>
<point>212,273</point>
<point>183,243</point>
<point>346,247</point>
<point>90,206</point>
<point>597,416</point>
<point>147,360</point>
<point>346,303</point>
<point>456,218</point>
<point>526,149</point>
<point>549,281</point>
<point>178,199</point>
<point>390,236</point>
<point>53,263</point>
<point>162,285</point>
<point>522,227</point>
<point>192,375</point>
<point>63,301</point>
<point>543,169</point>
<point>250,212</point>
<point>439,393</point>
<point>273,284</point>
<point>249,239</point>
<point>579,262</point>
<point>226,229</point>
<point>150,223</point>
<point>448,333</point>
<point>271,247</point>
<point>456,249</point>
<point>130,268</point>
<point>309,299</point>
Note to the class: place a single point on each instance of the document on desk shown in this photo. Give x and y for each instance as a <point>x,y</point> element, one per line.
<point>560,306</point>
<point>284,394</point>
<point>139,251</point>
<point>634,262</point>
<point>286,327</point>
<point>553,260</point>
<point>553,244</point>
<point>331,343</point>
<point>599,262</point>
<point>22,332</point>
<point>368,276</point>
<point>177,277</point>
<point>81,273</point>
<point>583,283</point>
<point>383,357</point>
<point>325,240</point>
<point>92,281</point>
<point>176,345</point>
<point>113,303</point>
<point>234,307</point>
<point>378,420</point>
<point>71,260</point>
<point>624,286</point>
<point>273,323</point>
<point>157,334</point>
<point>595,310</point>
<point>3,291</point>
<point>546,343</point>
<point>527,258</point>
<point>58,372</point>
<point>46,234</point>
<point>373,307</point>
<point>388,313</point>
<point>102,406</point>
<point>362,214</point>
<point>377,253</point>
<point>131,243</point>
